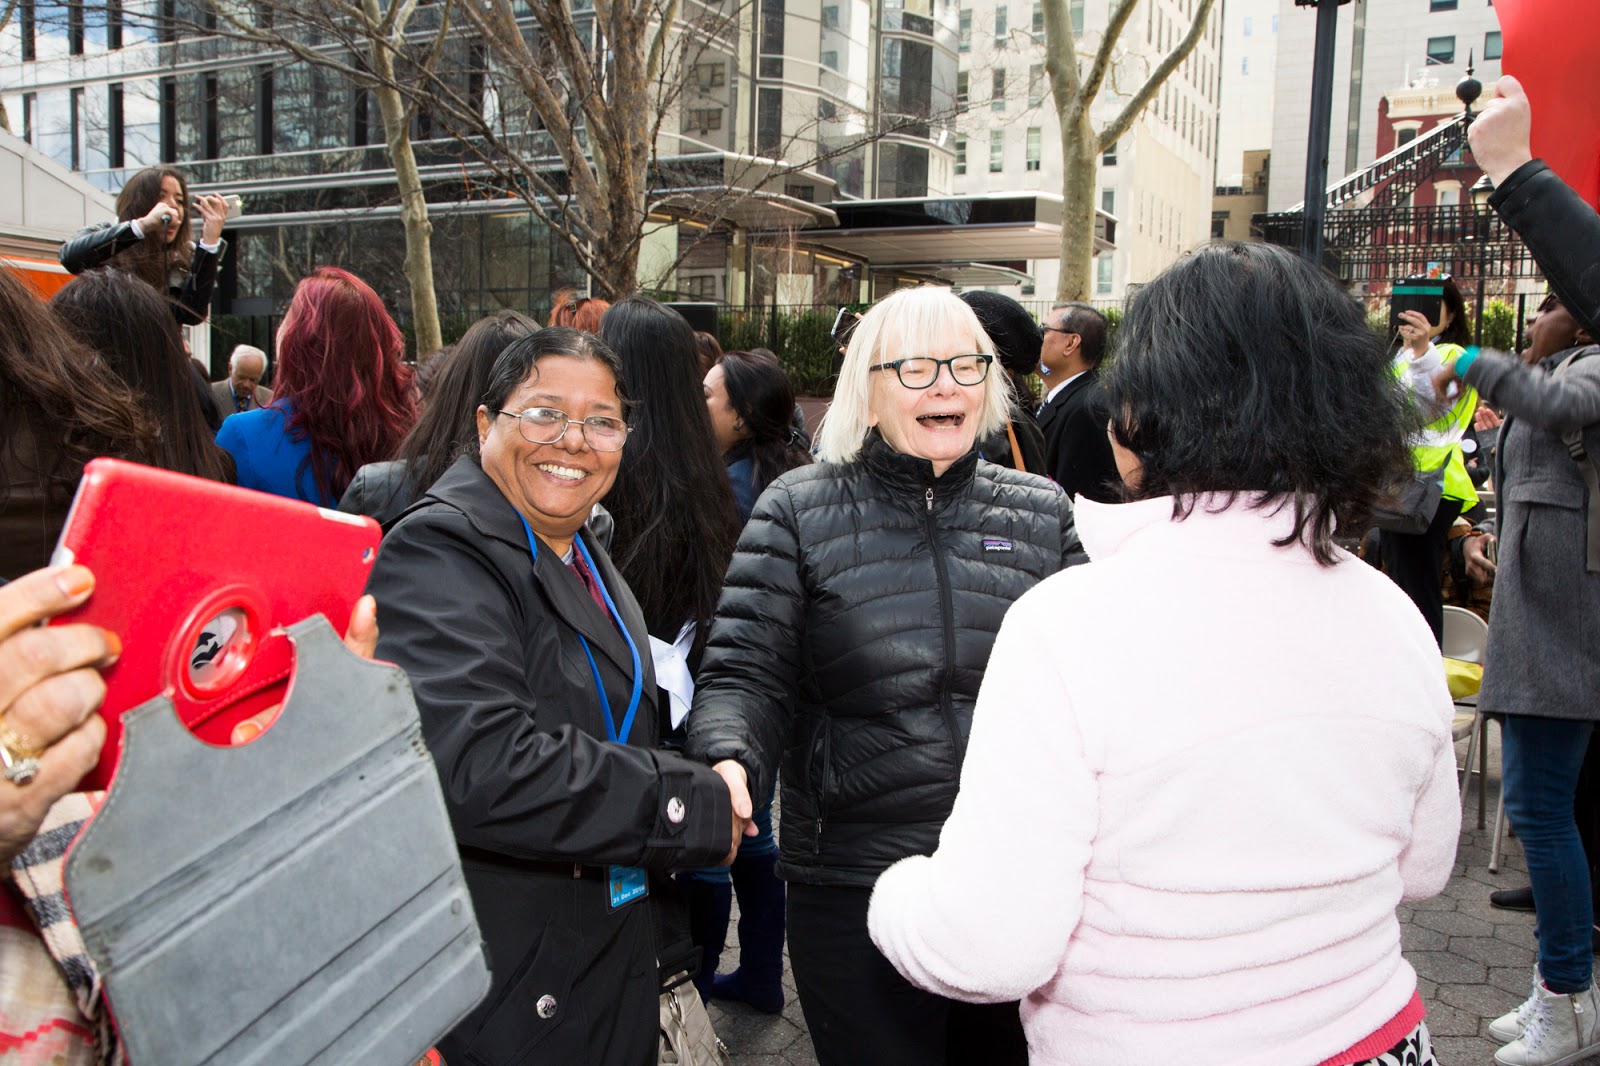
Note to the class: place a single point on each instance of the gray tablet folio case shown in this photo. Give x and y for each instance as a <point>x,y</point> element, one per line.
<point>295,900</point>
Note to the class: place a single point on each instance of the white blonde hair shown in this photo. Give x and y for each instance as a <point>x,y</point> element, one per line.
<point>909,322</point>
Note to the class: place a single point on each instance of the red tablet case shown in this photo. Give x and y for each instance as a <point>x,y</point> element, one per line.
<point>198,579</point>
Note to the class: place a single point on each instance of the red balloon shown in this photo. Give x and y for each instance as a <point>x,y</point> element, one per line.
<point>1549,46</point>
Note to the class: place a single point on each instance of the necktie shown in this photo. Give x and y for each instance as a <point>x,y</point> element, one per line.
<point>586,575</point>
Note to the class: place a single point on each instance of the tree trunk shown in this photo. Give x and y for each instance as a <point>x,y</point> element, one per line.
<point>413,206</point>
<point>1080,161</point>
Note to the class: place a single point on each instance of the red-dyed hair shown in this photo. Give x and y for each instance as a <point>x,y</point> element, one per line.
<point>580,312</point>
<point>339,363</point>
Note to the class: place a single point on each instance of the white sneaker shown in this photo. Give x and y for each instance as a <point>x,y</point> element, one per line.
<point>1560,1030</point>
<point>1508,1027</point>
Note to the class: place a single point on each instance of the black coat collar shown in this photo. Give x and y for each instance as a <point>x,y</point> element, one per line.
<point>1082,381</point>
<point>469,490</point>
<point>913,476</point>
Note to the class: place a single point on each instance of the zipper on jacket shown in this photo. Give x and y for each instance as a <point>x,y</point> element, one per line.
<point>822,790</point>
<point>947,616</point>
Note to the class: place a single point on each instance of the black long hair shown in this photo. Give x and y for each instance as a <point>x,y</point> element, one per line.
<point>153,259</point>
<point>759,391</point>
<point>676,524</point>
<point>1243,370</point>
<point>130,326</point>
<point>54,390</point>
<point>448,427</point>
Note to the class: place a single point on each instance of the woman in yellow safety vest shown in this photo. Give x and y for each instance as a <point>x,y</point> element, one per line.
<point>1415,560</point>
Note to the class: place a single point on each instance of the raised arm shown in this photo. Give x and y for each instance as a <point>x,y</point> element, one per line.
<point>1558,404</point>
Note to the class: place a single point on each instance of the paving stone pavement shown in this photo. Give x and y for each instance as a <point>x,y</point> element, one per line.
<point>1473,961</point>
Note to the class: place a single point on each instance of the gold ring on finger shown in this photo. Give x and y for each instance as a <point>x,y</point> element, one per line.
<point>17,744</point>
<point>18,769</point>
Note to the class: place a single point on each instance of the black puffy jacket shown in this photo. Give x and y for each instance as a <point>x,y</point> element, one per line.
<point>852,636</point>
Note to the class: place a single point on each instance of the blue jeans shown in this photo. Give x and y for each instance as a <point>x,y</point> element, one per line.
<point>763,843</point>
<point>1540,761</point>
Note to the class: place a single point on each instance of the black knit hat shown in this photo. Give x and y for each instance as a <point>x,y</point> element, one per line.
<point>1016,336</point>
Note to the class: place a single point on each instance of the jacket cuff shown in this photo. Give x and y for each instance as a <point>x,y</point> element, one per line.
<point>693,817</point>
<point>1508,188</point>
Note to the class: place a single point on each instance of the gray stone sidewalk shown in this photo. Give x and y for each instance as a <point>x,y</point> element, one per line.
<point>1473,962</point>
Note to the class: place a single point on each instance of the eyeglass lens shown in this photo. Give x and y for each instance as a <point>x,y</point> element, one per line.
<point>920,372</point>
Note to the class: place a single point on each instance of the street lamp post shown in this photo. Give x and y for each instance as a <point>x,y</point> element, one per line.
<point>1480,222</point>
<point>1316,199</point>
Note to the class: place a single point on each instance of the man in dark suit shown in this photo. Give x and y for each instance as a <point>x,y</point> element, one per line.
<point>1073,418</point>
<point>242,390</point>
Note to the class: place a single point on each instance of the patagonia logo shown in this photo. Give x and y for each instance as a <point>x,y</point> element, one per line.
<point>996,544</point>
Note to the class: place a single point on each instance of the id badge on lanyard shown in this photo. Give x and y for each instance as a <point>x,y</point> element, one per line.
<point>625,883</point>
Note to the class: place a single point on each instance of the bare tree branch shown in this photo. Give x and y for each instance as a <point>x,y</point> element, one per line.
<point>1119,125</point>
<point>1108,47</point>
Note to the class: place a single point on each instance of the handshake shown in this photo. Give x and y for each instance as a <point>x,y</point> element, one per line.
<point>739,790</point>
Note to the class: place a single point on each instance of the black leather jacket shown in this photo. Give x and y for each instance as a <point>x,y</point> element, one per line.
<point>1561,231</point>
<point>852,637</point>
<point>98,244</point>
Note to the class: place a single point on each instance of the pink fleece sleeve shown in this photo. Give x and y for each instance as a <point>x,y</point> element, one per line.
<point>987,917</point>
<point>1428,859</point>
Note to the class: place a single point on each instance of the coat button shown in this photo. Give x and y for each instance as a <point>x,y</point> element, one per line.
<point>675,810</point>
<point>546,1006</point>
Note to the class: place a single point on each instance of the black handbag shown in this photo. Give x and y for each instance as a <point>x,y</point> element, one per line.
<point>1413,505</point>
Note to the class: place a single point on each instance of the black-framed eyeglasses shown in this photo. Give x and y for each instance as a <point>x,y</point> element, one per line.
<point>920,371</point>
<point>1059,329</point>
<point>546,425</point>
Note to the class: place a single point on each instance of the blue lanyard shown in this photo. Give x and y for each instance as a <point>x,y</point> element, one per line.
<point>612,732</point>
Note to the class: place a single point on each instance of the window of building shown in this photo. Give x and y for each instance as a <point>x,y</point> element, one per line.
<point>997,151</point>
<point>1102,279</point>
<point>1448,197</point>
<point>963,90</point>
<point>1038,21</point>
<point>830,16</point>
<point>698,286</point>
<point>1108,201</point>
<point>1244,65</point>
<point>1249,27</point>
<point>705,119</point>
<point>1274,23</point>
<point>1491,45</point>
<point>1109,157</point>
<point>961,155</point>
<point>1001,30</point>
<point>1441,5</point>
<point>830,59</point>
<point>771,63</point>
<point>1441,50</point>
<point>997,98</point>
<point>1075,13</point>
<point>1035,142</point>
<point>1405,136</point>
<point>710,75</point>
<point>1036,85</point>
<point>964,30</point>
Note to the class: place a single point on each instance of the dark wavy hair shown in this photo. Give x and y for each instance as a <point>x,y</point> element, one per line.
<point>448,427</point>
<point>676,523</point>
<point>1458,331</point>
<point>153,259</point>
<point>131,327</point>
<point>53,389</point>
<point>339,366</point>
<point>1243,370</point>
<point>759,391</point>
<point>521,359</point>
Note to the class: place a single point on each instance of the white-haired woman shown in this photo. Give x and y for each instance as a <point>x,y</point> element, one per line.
<point>849,644</point>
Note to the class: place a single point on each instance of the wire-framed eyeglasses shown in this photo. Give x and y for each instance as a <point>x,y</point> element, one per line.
<point>920,371</point>
<point>546,425</point>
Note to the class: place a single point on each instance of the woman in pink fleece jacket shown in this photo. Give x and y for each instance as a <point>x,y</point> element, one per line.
<point>1205,768</point>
